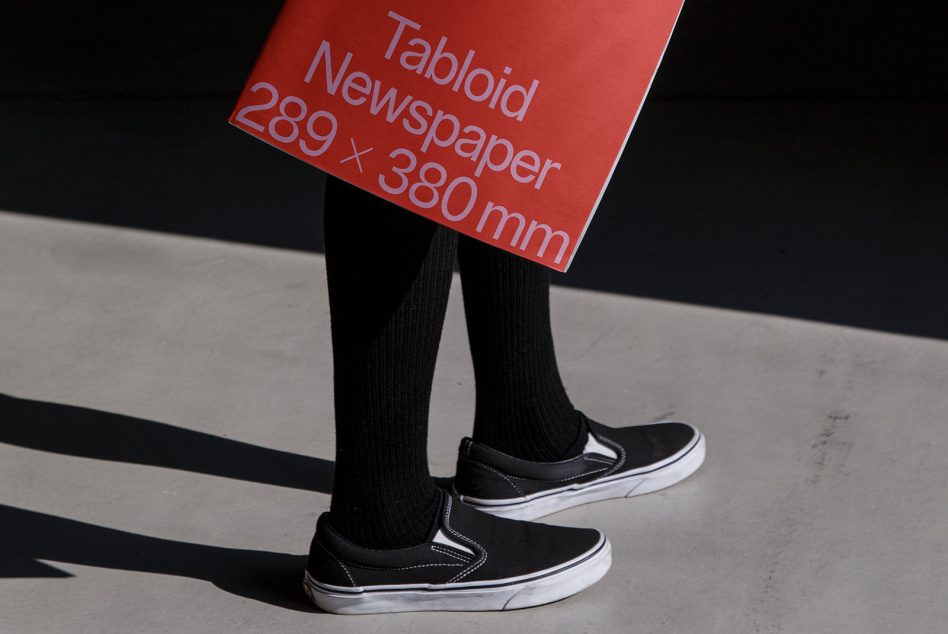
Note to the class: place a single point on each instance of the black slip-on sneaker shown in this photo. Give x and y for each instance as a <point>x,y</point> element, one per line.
<point>615,463</point>
<point>471,561</point>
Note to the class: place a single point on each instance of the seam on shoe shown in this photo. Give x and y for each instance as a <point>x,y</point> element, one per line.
<point>477,564</point>
<point>580,475</point>
<point>599,460</point>
<point>402,567</point>
<point>505,455</point>
<point>621,460</point>
<point>501,474</point>
<point>377,550</point>
<point>336,559</point>
<point>445,551</point>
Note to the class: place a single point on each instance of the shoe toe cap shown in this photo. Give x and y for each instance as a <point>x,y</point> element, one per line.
<point>675,436</point>
<point>542,546</point>
<point>648,444</point>
<point>516,547</point>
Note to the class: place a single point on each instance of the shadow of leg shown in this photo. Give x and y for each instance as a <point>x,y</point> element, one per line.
<point>29,536</point>
<point>77,431</point>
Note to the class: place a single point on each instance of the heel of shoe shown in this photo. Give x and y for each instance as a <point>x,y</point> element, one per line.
<point>338,602</point>
<point>477,480</point>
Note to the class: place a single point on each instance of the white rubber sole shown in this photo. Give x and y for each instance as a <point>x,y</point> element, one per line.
<point>504,594</point>
<point>648,480</point>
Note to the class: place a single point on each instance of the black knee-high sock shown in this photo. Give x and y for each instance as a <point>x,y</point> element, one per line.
<point>389,273</point>
<point>522,407</point>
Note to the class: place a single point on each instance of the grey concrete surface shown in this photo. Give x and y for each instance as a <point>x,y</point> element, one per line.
<point>166,432</point>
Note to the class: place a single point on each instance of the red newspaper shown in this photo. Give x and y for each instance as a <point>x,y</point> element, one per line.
<point>503,120</point>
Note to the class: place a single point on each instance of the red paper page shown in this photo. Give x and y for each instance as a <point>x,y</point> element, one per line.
<point>502,120</point>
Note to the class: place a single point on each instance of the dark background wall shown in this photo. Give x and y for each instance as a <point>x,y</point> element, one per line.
<point>730,49</point>
<point>791,158</point>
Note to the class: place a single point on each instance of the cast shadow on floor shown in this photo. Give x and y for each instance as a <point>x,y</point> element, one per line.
<point>88,433</point>
<point>29,538</point>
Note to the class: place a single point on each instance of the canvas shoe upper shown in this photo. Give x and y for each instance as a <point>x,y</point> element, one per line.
<point>470,561</point>
<point>615,462</point>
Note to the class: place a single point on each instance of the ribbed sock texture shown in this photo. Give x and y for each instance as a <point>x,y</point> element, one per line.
<point>522,406</point>
<point>388,289</point>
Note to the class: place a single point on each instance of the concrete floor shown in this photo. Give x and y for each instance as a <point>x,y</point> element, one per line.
<point>166,438</point>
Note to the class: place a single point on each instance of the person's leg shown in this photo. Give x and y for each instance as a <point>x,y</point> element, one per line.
<point>392,541</point>
<point>532,453</point>
<point>522,408</point>
<point>389,273</point>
